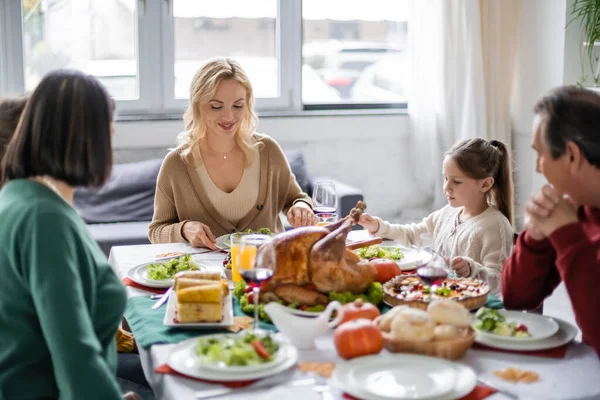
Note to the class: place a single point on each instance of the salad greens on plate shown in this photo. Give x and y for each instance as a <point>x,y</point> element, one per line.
<point>376,251</point>
<point>237,350</point>
<point>169,268</point>
<point>492,321</point>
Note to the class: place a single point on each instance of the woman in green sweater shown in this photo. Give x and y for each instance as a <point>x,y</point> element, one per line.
<point>60,301</point>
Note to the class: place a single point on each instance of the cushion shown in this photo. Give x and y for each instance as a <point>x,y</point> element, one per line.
<point>296,160</point>
<point>128,195</point>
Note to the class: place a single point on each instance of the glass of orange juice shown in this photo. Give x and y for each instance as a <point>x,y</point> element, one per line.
<point>324,219</point>
<point>235,247</point>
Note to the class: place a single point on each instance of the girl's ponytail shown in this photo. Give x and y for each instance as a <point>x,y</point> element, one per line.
<point>503,186</point>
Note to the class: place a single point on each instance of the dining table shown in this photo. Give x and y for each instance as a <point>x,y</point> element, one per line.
<point>574,375</point>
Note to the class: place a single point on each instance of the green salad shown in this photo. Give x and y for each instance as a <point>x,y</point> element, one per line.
<point>489,320</point>
<point>238,350</point>
<point>391,253</point>
<point>169,268</point>
<point>374,294</point>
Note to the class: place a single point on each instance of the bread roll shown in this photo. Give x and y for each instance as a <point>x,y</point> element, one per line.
<point>385,321</point>
<point>449,312</point>
<point>445,332</point>
<point>412,324</point>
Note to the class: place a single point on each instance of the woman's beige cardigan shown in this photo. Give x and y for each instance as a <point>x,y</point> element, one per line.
<point>180,196</point>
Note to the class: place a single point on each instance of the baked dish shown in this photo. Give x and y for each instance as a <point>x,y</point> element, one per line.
<point>410,290</point>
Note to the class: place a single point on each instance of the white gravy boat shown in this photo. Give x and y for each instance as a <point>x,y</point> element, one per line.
<point>302,331</point>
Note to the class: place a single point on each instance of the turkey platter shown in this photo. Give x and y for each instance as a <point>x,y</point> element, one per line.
<point>313,261</point>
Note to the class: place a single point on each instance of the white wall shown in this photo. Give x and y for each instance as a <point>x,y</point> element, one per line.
<point>370,152</point>
<point>540,67</point>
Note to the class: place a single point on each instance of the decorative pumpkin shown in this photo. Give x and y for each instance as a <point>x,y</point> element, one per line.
<point>356,338</point>
<point>386,269</point>
<point>359,309</point>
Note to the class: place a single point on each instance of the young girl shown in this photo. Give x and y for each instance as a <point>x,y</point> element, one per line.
<point>475,226</point>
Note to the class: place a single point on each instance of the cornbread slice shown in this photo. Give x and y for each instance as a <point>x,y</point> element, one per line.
<point>211,276</point>
<point>199,312</point>
<point>201,294</point>
<point>183,283</point>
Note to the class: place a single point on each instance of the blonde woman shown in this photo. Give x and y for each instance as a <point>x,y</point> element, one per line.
<point>224,177</point>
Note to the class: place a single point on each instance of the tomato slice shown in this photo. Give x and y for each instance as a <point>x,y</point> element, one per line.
<point>259,348</point>
<point>521,328</point>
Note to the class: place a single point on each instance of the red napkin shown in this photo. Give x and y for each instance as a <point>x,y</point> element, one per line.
<point>165,369</point>
<point>479,393</point>
<point>557,352</point>
<point>129,282</point>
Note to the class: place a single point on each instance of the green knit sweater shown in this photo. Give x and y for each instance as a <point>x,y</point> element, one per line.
<point>60,301</point>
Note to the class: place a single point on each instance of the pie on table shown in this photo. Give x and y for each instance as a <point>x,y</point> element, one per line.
<point>410,290</point>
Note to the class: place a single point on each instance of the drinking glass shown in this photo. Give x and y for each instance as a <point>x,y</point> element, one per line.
<point>324,198</point>
<point>235,239</point>
<point>256,264</point>
<point>324,219</point>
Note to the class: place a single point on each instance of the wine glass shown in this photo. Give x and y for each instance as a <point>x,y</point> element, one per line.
<point>438,266</point>
<point>256,264</point>
<point>324,198</point>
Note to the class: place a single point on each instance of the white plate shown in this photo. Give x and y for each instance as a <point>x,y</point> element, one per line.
<point>226,322</point>
<point>412,257</point>
<point>223,242</point>
<point>139,274</point>
<point>566,333</point>
<point>184,360</point>
<point>538,326</point>
<point>404,376</point>
<point>285,351</point>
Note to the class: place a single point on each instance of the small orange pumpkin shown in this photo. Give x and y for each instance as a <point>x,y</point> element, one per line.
<point>386,269</point>
<point>356,338</point>
<point>359,309</point>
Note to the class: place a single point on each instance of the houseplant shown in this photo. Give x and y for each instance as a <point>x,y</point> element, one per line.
<point>587,12</point>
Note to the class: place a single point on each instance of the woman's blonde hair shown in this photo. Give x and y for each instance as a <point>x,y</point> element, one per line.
<point>203,89</point>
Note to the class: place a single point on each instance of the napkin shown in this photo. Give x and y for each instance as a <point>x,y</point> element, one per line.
<point>479,393</point>
<point>557,352</point>
<point>129,282</point>
<point>165,369</point>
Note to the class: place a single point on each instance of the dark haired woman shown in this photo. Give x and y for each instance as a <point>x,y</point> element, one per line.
<point>561,241</point>
<point>60,301</point>
<point>475,226</point>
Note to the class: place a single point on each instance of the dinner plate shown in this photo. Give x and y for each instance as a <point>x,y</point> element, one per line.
<point>170,313</point>
<point>539,326</point>
<point>565,334</point>
<point>404,376</point>
<point>184,360</point>
<point>412,257</point>
<point>285,351</point>
<point>139,274</point>
<point>223,242</point>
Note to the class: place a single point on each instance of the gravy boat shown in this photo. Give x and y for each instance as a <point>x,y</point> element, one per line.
<point>302,331</point>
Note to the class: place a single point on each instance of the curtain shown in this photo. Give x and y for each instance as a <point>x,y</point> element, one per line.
<point>462,55</point>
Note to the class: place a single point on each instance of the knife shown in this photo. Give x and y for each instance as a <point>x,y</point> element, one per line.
<point>209,394</point>
<point>163,299</point>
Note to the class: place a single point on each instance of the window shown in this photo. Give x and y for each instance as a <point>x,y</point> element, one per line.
<point>146,52</point>
<point>342,39</point>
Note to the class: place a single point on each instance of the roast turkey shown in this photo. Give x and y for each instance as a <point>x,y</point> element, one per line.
<point>313,261</point>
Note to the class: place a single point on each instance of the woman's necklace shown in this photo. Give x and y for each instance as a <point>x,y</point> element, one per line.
<point>225,155</point>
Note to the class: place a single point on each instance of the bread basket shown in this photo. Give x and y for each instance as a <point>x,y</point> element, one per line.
<point>450,349</point>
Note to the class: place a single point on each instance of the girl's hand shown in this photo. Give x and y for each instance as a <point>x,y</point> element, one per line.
<point>199,235</point>
<point>461,266</point>
<point>369,223</point>
<point>301,215</point>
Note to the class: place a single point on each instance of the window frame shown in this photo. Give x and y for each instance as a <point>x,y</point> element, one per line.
<point>157,63</point>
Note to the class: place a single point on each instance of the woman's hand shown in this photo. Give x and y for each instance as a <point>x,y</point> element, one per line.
<point>199,235</point>
<point>461,266</point>
<point>131,396</point>
<point>300,214</point>
<point>369,223</point>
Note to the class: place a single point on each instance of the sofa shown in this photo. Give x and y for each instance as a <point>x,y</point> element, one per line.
<point>118,213</point>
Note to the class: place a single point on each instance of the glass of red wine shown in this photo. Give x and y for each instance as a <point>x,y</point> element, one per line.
<point>437,268</point>
<point>324,198</point>
<point>256,264</point>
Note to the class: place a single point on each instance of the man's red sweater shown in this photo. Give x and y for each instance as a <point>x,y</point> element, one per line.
<point>570,254</point>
